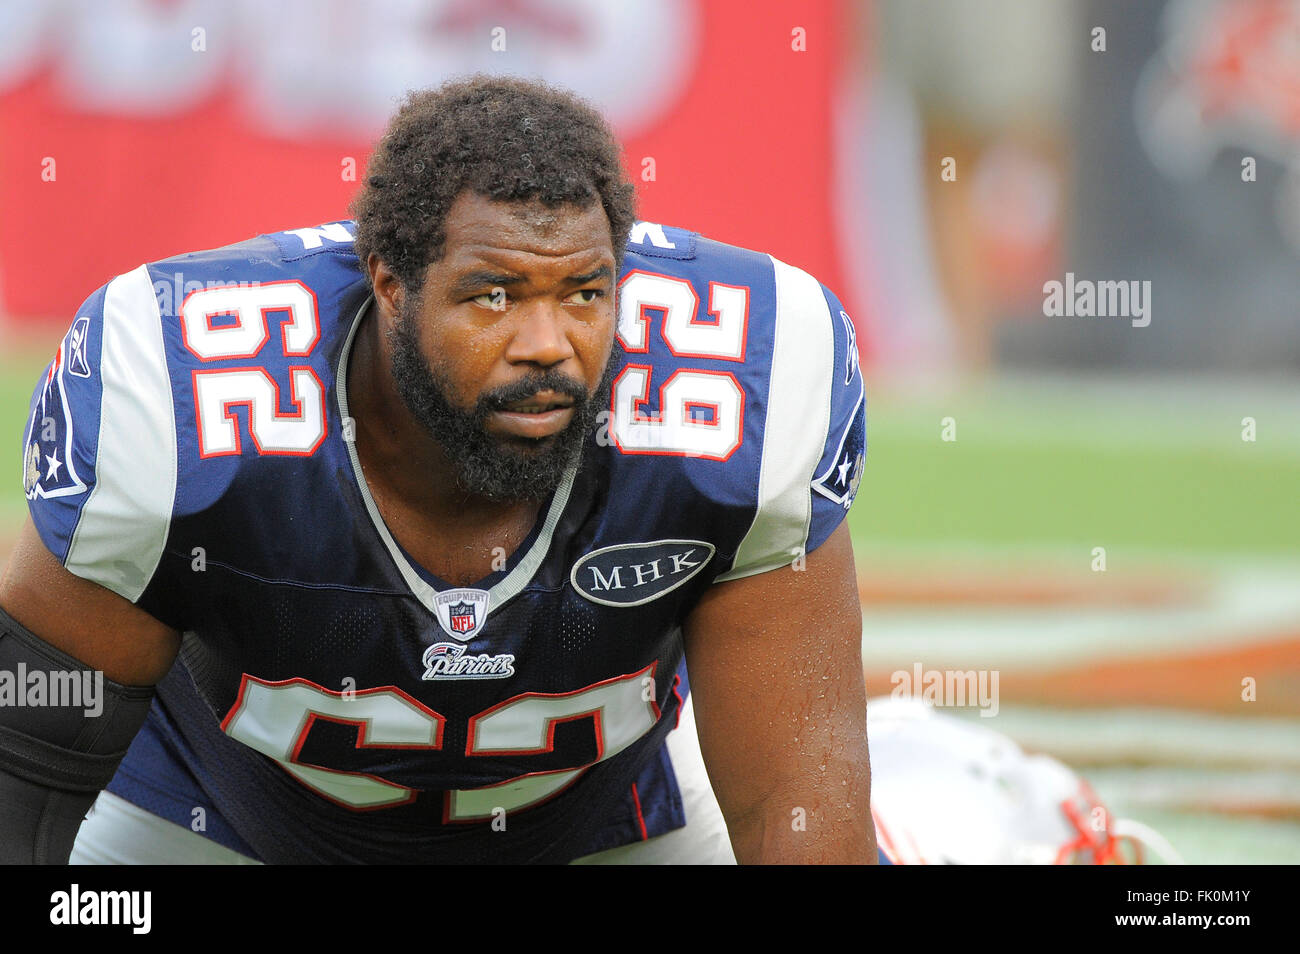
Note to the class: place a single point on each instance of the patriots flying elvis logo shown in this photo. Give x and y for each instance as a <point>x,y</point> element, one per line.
<point>49,469</point>
<point>840,481</point>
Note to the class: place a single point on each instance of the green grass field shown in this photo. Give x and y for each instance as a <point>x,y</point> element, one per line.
<point>1035,464</point>
<point>18,374</point>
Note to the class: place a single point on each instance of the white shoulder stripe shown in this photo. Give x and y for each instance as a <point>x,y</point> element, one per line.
<point>123,527</point>
<point>794,435</point>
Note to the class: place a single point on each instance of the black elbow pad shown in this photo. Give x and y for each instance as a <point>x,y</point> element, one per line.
<point>63,730</point>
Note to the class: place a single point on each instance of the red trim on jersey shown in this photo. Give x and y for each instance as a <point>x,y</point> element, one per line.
<point>744,327</point>
<point>207,321</point>
<point>549,745</point>
<point>239,313</point>
<point>886,844</point>
<point>920,858</point>
<point>476,819</point>
<point>297,402</point>
<point>363,726</point>
<point>640,818</point>
<point>438,717</point>
<point>694,319</point>
<point>578,770</point>
<point>642,306</point>
<point>689,406</point>
<point>643,397</point>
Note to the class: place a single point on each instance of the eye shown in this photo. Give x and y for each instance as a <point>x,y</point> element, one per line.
<point>495,299</point>
<point>584,296</point>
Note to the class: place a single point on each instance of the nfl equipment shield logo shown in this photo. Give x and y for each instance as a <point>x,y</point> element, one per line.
<point>462,612</point>
<point>462,617</point>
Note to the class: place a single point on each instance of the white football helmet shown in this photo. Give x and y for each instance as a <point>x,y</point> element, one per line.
<point>948,791</point>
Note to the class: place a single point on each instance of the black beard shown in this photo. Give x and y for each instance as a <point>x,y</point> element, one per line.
<point>497,468</point>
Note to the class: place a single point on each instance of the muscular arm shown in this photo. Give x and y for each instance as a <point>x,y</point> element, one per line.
<point>83,619</point>
<point>780,705</point>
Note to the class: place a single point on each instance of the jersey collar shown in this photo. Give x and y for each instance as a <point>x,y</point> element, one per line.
<point>509,586</point>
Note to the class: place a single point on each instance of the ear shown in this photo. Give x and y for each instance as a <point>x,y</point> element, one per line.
<point>388,289</point>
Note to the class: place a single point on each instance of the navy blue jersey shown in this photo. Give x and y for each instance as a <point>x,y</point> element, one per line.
<point>190,448</point>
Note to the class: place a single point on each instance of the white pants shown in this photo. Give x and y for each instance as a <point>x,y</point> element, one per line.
<point>117,832</point>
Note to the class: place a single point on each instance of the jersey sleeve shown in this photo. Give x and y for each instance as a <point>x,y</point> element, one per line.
<point>99,449</point>
<point>814,436</point>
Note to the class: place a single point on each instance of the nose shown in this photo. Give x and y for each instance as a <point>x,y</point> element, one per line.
<point>541,338</point>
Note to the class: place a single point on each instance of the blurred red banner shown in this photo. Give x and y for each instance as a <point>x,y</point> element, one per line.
<point>133,132</point>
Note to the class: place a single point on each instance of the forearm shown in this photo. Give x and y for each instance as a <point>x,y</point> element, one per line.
<point>784,732</point>
<point>825,820</point>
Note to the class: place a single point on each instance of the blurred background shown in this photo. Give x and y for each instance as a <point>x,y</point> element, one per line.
<point>1106,514</point>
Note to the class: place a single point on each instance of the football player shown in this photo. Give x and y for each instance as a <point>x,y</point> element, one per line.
<point>412,522</point>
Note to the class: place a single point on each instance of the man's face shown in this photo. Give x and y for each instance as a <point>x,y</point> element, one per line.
<point>506,355</point>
